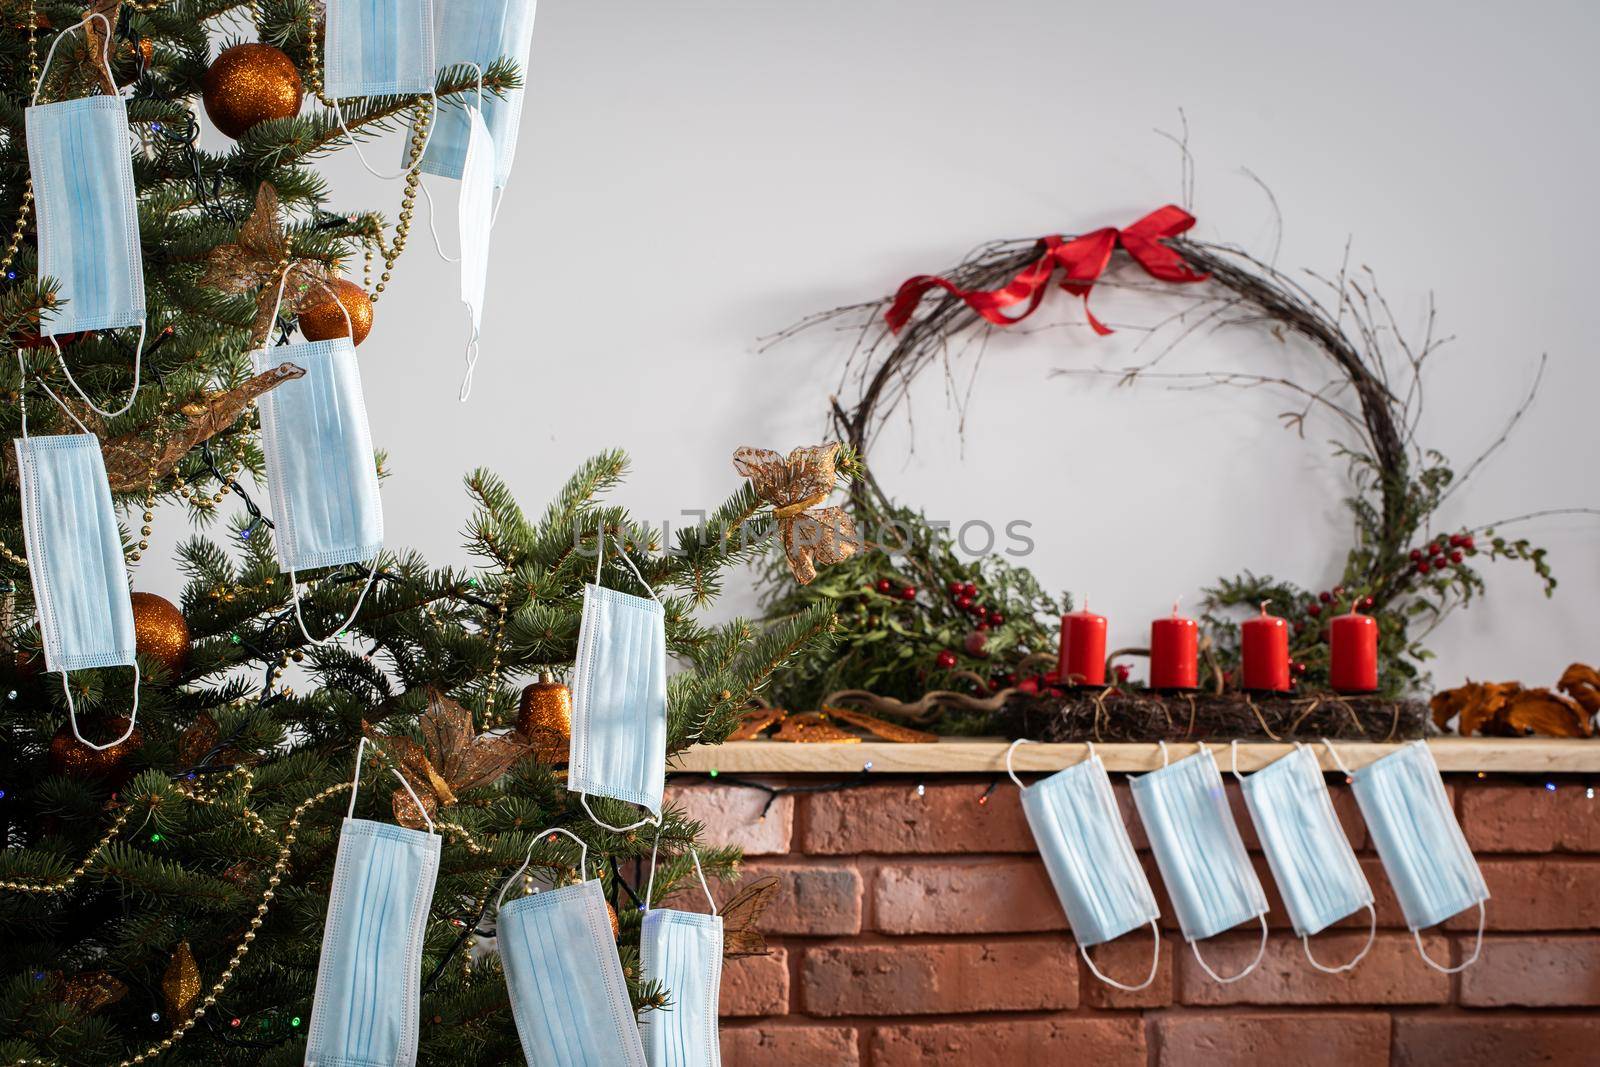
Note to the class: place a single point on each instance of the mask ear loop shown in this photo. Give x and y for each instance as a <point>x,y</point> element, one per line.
<point>427,136</point>
<point>694,854</point>
<point>438,245</point>
<point>138,352</point>
<point>1194,946</point>
<point>294,581</point>
<point>1477,948</point>
<point>600,555</point>
<point>1166,757</point>
<point>1337,762</point>
<point>583,860</point>
<point>355,789</point>
<point>1372,935</point>
<point>648,820</point>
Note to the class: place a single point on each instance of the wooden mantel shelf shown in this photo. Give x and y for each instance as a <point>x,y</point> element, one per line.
<point>988,755</point>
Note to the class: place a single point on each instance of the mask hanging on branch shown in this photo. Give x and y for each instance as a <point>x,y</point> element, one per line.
<point>369,975</point>
<point>322,475</point>
<point>683,951</point>
<point>478,32</point>
<point>379,48</point>
<point>568,995</point>
<point>75,564</point>
<point>619,697</point>
<point>80,156</point>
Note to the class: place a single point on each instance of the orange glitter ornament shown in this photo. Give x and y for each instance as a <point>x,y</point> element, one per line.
<point>321,319</point>
<point>544,718</point>
<point>250,83</point>
<point>160,631</point>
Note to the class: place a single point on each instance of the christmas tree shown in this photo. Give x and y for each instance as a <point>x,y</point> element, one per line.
<point>163,900</point>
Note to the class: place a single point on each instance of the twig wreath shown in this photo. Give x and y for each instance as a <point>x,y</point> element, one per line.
<point>1400,568</point>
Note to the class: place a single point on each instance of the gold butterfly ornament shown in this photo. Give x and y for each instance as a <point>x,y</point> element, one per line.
<point>451,759</point>
<point>811,535</point>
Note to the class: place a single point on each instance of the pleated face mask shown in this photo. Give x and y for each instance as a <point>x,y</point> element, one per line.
<point>568,995</point>
<point>1091,862</point>
<point>1423,850</point>
<point>1311,859</point>
<point>379,47</point>
<point>322,475</point>
<point>619,697</point>
<point>364,1013</point>
<point>80,160</point>
<point>479,32</point>
<point>1197,847</point>
<point>683,951</point>
<point>75,564</point>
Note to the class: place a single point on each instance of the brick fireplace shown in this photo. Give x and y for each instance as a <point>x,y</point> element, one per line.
<point>922,929</point>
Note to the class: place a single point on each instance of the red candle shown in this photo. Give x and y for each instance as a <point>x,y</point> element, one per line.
<point>1083,648</point>
<point>1264,644</point>
<point>1174,652</point>
<point>1353,641</point>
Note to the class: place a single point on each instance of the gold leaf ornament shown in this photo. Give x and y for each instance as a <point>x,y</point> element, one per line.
<point>811,535</point>
<point>254,261</point>
<point>180,985</point>
<point>451,759</point>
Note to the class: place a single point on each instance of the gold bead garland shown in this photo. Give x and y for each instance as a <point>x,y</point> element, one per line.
<point>27,186</point>
<point>78,871</point>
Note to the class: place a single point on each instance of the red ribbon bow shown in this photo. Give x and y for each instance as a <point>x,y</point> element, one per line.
<point>1083,258</point>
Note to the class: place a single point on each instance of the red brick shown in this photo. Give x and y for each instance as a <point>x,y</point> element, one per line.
<point>1528,818</point>
<point>1538,894</point>
<point>946,977</point>
<point>1322,1040</point>
<point>1392,973</point>
<point>767,1046</point>
<point>966,897</point>
<point>1127,960</point>
<point>812,901</point>
<point>732,816</point>
<point>755,985</point>
<point>1453,1041</point>
<point>1105,1042</point>
<point>893,819</point>
<point>1534,972</point>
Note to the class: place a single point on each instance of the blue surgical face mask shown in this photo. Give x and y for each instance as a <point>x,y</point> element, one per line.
<point>1091,862</point>
<point>369,976</point>
<point>321,472</point>
<point>480,32</point>
<point>80,159</point>
<point>75,565</point>
<point>379,47</point>
<point>1199,852</point>
<point>476,219</point>
<point>1311,859</point>
<point>568,995</point>
<point>619,697</point>
<point>683,951</point>
<point>1423,850</point>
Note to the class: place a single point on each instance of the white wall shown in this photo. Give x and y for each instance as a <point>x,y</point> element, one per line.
<point>694,175</point>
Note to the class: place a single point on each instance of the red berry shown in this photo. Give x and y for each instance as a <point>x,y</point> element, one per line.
<point>1314,610</point>
<point>954,588</point>
<point>1298,668</point>
<point>1366,603</point>
<point>1456,556</point>
<point>1467,543</point>
<point>1437,548</point>
<point>1456,540</point>
<point>963,602</point>
<point>908,593</point>
<point>976,644</point>
<point>1325,596</point>
<point>1338,590</point>
<point>1416,554</point>
<point>969,590</point>
<point>995,618</point>
<point>1299,627</point>
<point>1423,568</point>
<point>884,585</point>
<point>1123,670</point>
<point>946,659</point>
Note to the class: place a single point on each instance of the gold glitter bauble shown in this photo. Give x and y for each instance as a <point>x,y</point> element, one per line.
<point>250,83</point>
<point>160,631</point>
<point>616,926</point>
<point>180,985</point>
<point>321,319</point>
<point>544,719</point>
<point>74,759</point>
